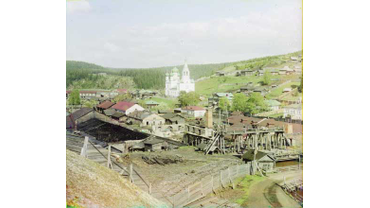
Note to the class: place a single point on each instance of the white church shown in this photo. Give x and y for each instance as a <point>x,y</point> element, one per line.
<point>175,84</point>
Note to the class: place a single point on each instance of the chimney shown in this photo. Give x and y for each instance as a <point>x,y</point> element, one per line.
<point>289,129</point>
<point>209,118</point>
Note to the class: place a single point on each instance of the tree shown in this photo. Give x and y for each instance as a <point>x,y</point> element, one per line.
<point>122,97</point>
<point>267,78</point>
<point>239,102</point>
<point>255,104</point>
<point>224,104</point>
<point>74,98</point>
<point>90,103</point>
<point>300,87</point>
<point>190,98</point>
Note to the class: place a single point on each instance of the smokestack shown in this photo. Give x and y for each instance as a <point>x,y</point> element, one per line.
<point>289,129</point>
<point>209,118</point>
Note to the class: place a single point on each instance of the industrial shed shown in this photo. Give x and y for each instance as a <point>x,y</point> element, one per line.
<point>264,160</point>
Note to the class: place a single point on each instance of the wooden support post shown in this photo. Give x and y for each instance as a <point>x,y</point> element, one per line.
<point>188,192</point>
<point>231,181</point>
<point>213,188</point>
<point>221,178</point>
<point>84,147</point>
<point>130,173</point>
<point>173,200</point>
<point>109,162</point>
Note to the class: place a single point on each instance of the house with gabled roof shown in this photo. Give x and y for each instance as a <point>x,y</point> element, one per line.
<point>294,111</point>
<point>75,117</point>
<point>127,107</point>
<point>145,118</point>
<point>173,118</point>
<point>194,111</point>
<point>104,105</point>
<point>273,104</point>
<point>151,103</point>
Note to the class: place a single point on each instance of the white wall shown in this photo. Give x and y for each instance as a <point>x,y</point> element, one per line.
<point>133,108</point>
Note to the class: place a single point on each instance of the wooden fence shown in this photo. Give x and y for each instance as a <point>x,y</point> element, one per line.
<point>209,184</point>
<point>130,172</point>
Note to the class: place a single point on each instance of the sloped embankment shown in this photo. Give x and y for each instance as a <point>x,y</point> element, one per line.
<point>92,185</point>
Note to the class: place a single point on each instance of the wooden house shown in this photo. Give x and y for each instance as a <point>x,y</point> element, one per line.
<point>194,111</point>
<point>104,105</point>
<point>220,73</point>
<point>247,72</point>
<point>77,117</point>
<point>144,118</point>
<point>173,119</point>
<point>127,107</point>
<point>151,104</point>
<point>260,73</point>
<point>152,144</point>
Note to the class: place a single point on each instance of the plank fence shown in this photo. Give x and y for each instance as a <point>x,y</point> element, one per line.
<point>210,184</point>
<point>289,168</point>
<point>86,148</point>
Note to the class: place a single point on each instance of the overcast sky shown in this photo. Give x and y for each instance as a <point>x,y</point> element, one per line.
<point>138,33</point>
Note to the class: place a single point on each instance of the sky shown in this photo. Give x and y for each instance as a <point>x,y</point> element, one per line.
<point>153,33</point>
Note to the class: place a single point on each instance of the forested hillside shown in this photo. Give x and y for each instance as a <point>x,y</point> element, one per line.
<point>81,65</point>
<point>84,75</point>
<point>154,78</point>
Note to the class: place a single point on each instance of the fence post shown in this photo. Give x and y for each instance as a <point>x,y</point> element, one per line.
<point>130,174</point>
<point>109,163</point>
<point>201,187</point>
<point>150,188</point>
<point>173,200</point>
<point>231,181</point>
<point>84,147</point>
<point>221,178</point>
<point>213,188</point>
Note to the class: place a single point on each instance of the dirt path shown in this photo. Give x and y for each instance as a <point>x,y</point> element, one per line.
<point>268,194</point>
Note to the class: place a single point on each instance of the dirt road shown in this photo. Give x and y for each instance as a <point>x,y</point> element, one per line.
<point>268,194</point>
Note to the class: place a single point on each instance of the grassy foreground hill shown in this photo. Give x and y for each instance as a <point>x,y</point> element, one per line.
<point>92,185</point>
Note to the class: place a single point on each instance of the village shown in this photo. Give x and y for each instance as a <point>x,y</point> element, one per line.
<point>184,156</point>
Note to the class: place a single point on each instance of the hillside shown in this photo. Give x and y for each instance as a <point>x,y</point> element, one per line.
<point>92,185</point>
<point>154,78</point>
<point>144,78</point>
<point>81,65</point>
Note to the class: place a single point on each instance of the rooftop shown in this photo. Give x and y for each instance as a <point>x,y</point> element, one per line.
<point>123,106</point>
<point>273,103</point>
<point>249,155</point>
<point>118,114</point>
<point>153,141</point>
<point>296,106</point>
<point>106,104</point>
